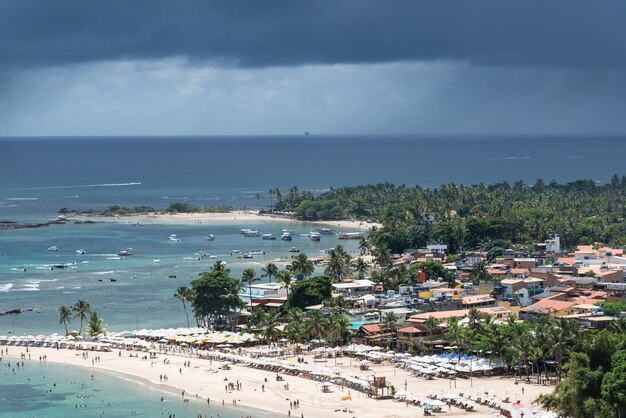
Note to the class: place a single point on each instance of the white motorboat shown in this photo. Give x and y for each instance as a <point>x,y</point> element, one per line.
<point>210,237</point>
<point>286,235</point>
<point>268,237</point>
<point>314,236</point>
<point>156,260</point>
<point>174,238</point>
<point>235,252</point>
<point>53,248</point>
<point>125,253</point>
<point>81,252</point>
<point>250,233</point>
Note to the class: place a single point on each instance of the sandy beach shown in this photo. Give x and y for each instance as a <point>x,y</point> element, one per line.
<point>235,216</point>
<point>203,379</point>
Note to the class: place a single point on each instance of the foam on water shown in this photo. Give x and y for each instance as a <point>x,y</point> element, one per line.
<point>5,287</point>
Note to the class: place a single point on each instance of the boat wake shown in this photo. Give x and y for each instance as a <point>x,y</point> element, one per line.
<point>80,186</point>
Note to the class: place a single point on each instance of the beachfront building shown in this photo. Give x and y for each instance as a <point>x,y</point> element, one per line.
<point>267,295</point>
<point>406,334</point>
<point>355,288</point>
<point>372,334</point>
<point>497,312</point>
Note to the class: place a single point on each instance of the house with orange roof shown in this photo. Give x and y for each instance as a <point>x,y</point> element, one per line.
<point>406,334</point>
<point>497,312</point>
<point>547,307</point>
<point>372,333</point>
<point>477,301</point>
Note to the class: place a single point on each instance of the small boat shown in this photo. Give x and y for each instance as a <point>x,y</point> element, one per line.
<point>294,250</point>
<point>286,235</point>
<point>81,252</point>
<point>246,256</point>
<point>256,252</point>
<point>53,248</point>
<point>268,237</point>
<point>172,276</point>
<point>314,236</point>
<point>60,266</point>
<point>174,238</point>
<point>156,260</point>
<point>113,280</point>
<point>210,237</point>
<point>235,252</point>
<point>124,253</point>
<point>250,233</point>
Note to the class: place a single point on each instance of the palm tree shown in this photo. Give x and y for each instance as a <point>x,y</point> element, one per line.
<point>338,264</point>
<point>296,328</point>
<point>338,305</point>
<point>364,246</point>
<point>270,270</point>
<point>390,320</point>
<point>431,325</point>
<point>474,318</point>
<point>256,317</point>
<point>184,294</point>
<point>220,266</point>
<point>318,323</point>
<point>285,279</point>
<point>454,334</point>
<point>258,201</point>
<point>65,316</point>
<point>95,325</point>
<point>269,325</point>
<point>340,327</point>
<point>248,277</point>
<point>81,310</point>
<point>302,265</point>
<point>361,267</point>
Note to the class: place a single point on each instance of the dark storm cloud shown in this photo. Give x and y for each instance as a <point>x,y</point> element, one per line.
<point>257,33</point>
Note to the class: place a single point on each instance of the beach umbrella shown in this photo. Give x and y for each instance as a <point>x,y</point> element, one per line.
<point>427,406</point>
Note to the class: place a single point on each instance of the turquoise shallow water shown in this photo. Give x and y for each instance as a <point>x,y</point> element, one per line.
<point>141,295</point>
<point>48,390</point>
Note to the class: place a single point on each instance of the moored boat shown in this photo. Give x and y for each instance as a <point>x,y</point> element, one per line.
<point>268,237</point>
<point>125,253</point>
<point>314,236</point>
<point>53,248</point>
<point>210,237</point>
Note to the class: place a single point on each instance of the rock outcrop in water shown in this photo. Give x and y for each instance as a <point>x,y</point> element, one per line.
<point>9,224</point>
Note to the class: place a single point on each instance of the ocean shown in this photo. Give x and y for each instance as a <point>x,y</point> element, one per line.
<point>39,176</point>
<point>49,390</point>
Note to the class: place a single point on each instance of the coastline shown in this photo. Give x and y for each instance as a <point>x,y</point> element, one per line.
<point>204,379</point>
<point>234,216</point>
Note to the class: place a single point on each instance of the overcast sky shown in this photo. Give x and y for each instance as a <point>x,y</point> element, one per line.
<point>156,67</point>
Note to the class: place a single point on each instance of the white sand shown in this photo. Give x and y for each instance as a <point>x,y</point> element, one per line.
<point>204,378</point>
<point>235,216</point>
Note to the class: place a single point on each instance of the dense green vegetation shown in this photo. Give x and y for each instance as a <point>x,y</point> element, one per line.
<point>190,208</point>
<point>116,210</point>
<point>473,217</point>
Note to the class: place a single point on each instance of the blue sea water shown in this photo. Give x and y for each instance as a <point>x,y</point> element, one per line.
<point>49,390</point>
<point>38,176</point>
